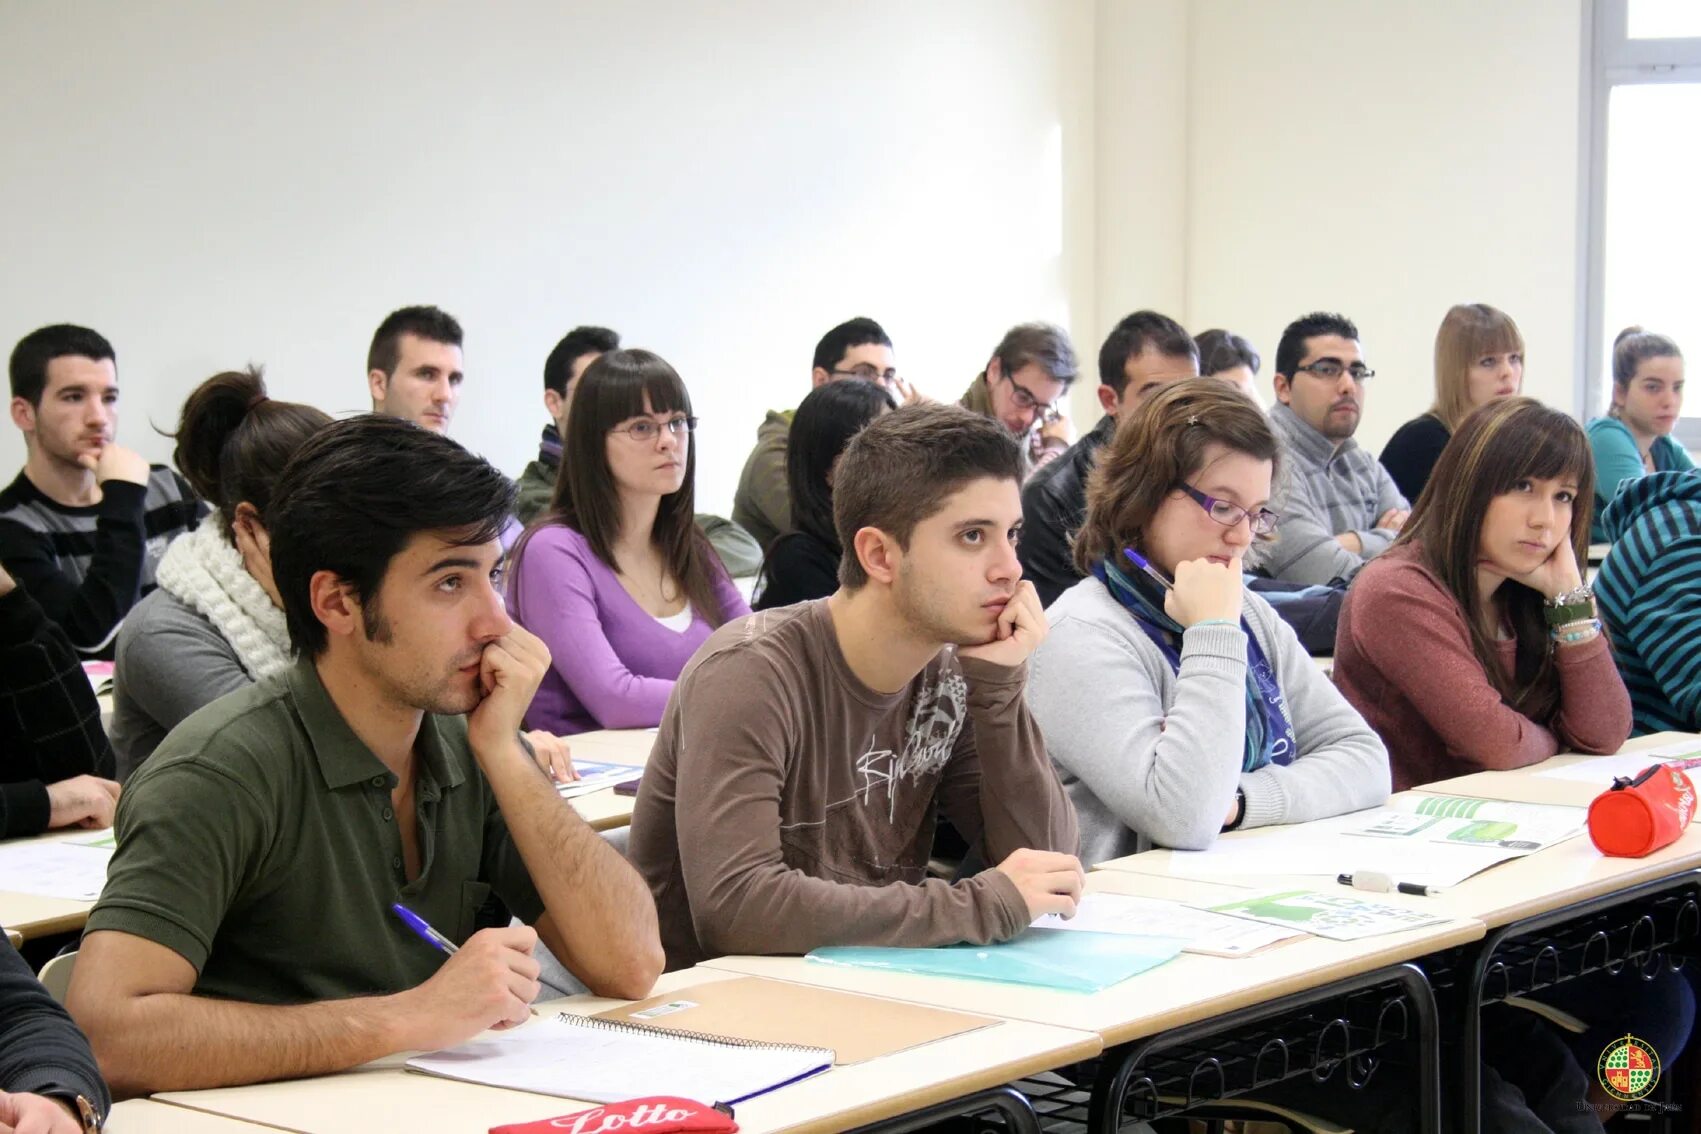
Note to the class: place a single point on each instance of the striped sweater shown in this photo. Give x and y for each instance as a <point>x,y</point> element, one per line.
<point>1649,595</point>
<point>88,566</point>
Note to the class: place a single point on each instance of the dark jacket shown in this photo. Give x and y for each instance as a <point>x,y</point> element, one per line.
<point>49,719</point>
<point>1054,504</point>
<point>41,1050</point>
<point>799,567</point>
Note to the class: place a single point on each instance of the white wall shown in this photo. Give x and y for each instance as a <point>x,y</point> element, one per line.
<point>1387,160</point>
<point>212,183</point>
<point>215,183</point>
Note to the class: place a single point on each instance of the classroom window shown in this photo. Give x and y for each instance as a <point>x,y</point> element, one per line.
<point>1644,163</point>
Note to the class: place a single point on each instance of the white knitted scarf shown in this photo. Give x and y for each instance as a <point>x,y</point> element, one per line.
<point>203,570</point>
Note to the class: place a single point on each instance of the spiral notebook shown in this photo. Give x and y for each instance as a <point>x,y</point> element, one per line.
<point>582,1057</point>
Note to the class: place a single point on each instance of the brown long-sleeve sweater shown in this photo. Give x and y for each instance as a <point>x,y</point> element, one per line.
<point>787,805</point>
<point>1403,658</point>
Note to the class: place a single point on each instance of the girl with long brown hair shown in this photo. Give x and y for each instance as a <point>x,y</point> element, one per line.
<point>1479,356</point>
<point>1473,643</point>
<point>615,577</point>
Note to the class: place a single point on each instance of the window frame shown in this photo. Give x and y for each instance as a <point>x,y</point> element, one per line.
<point>1612,59</point>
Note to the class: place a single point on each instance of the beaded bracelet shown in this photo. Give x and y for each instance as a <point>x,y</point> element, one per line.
<point>1566,635</point>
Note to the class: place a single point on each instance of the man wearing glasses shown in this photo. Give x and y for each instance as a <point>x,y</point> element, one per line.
<point>857,348</point>
<point>1026,378</point>
<point>1339,506</point>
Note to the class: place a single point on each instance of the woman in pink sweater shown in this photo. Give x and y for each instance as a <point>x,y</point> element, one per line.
<point>616,577</point>
<point>1472,643</point>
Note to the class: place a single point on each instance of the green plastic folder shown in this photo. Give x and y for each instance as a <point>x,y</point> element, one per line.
<point>1072,960</point>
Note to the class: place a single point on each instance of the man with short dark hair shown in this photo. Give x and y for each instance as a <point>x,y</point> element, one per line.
<point>84,525</point>
<point>1339,507</point>
<point>856,348</point>
<point>414,368</point>
<point>739,552</point>
<point>246,932</point>
<point>792,795</point>
<point>1028,374</point>
<point>1142,354</point>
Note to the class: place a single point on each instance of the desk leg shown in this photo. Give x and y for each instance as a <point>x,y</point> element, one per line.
<point>1491,975</point>
<point>1017,1111</point>
<point>1117,1072</point>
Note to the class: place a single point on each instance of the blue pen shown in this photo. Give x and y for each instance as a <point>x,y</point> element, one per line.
<point>1139,561</point>
<point>422,927</point>
<point>725,1107</point>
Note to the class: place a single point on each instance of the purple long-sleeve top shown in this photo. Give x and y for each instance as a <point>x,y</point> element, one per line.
<point>613,664</point>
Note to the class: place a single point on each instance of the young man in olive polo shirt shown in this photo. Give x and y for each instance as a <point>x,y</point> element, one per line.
<point>245,932</point>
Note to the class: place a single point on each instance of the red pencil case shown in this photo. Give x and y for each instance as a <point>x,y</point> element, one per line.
<point>1638,816</point>
<point>658,1114</point>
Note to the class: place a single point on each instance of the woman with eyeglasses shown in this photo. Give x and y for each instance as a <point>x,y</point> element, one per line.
<point>1176,704</point>
<point>1473,643</point>
<point>615,577</point>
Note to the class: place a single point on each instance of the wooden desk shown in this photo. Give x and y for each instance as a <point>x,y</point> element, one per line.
<point>144,1116</point>
<point>383,1096</point>
<point>1527,785</point>
<point>604,810</point>
<point>1185,990</point>
<point>31,915</point>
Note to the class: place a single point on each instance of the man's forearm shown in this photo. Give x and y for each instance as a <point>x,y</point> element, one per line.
<point>173,1041</point>
<point>602,922</point>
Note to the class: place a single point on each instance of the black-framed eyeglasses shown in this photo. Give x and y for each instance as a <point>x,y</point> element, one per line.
<point>1228,513</point>
<point>647,429</point>
<point>1028,401</point>
<point>1330,369</point>
<point>868,372</point>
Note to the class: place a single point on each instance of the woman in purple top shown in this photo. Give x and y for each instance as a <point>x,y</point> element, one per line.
<point>616,577</point>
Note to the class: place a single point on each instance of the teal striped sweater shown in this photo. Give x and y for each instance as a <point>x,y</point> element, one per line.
<point>1649,595</point>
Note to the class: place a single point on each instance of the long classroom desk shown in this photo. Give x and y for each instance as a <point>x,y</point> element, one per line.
<point>32,915</point>
<point>957,1075</point>
<point>1552,916</point>
<point>144,1116</point>
<point>606,810</point>
<point>1187,1001</point>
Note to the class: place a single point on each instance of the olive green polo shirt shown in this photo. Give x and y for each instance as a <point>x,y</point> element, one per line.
<point>259,843</point>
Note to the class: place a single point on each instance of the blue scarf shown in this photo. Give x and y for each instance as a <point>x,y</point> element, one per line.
<point>1269,733</point>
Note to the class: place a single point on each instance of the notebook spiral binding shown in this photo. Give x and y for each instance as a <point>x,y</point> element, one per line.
<point>682,1034</point>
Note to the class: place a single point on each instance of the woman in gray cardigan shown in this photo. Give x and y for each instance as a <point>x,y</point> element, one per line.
<point>1175,703</point>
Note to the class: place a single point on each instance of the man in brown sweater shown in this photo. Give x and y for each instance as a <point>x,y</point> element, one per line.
<point>792,795</point>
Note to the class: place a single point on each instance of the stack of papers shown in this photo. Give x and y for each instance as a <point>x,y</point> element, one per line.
<point>1213,934</point>
<point>1432,840</point>
<point>595,776</point>
<point>1342,916</point>
<point>71,869</point>
<point>1602,770</point>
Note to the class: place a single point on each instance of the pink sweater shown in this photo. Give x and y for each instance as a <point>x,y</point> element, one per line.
<point>1403,658</point>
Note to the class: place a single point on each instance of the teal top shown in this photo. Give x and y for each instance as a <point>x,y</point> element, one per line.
<point>1618,460</point>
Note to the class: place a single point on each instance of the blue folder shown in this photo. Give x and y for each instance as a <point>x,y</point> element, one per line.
<point>1072,960</point>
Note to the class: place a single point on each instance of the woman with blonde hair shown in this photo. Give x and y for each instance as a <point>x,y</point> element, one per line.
<point>1479,356</point>
<point>1634,438</point>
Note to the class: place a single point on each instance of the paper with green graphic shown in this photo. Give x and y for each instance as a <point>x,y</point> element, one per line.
<point>1455,820</point>
<point>1342,916</point>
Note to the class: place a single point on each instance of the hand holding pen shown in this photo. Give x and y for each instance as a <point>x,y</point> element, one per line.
<point>1203,591</point>
<point>490,982</point>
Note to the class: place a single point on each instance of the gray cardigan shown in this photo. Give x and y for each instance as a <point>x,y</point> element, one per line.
<point>1151,757</point>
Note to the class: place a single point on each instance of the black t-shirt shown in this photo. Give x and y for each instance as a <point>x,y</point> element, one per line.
<point>1411,453</point>
<point>798,568</point>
